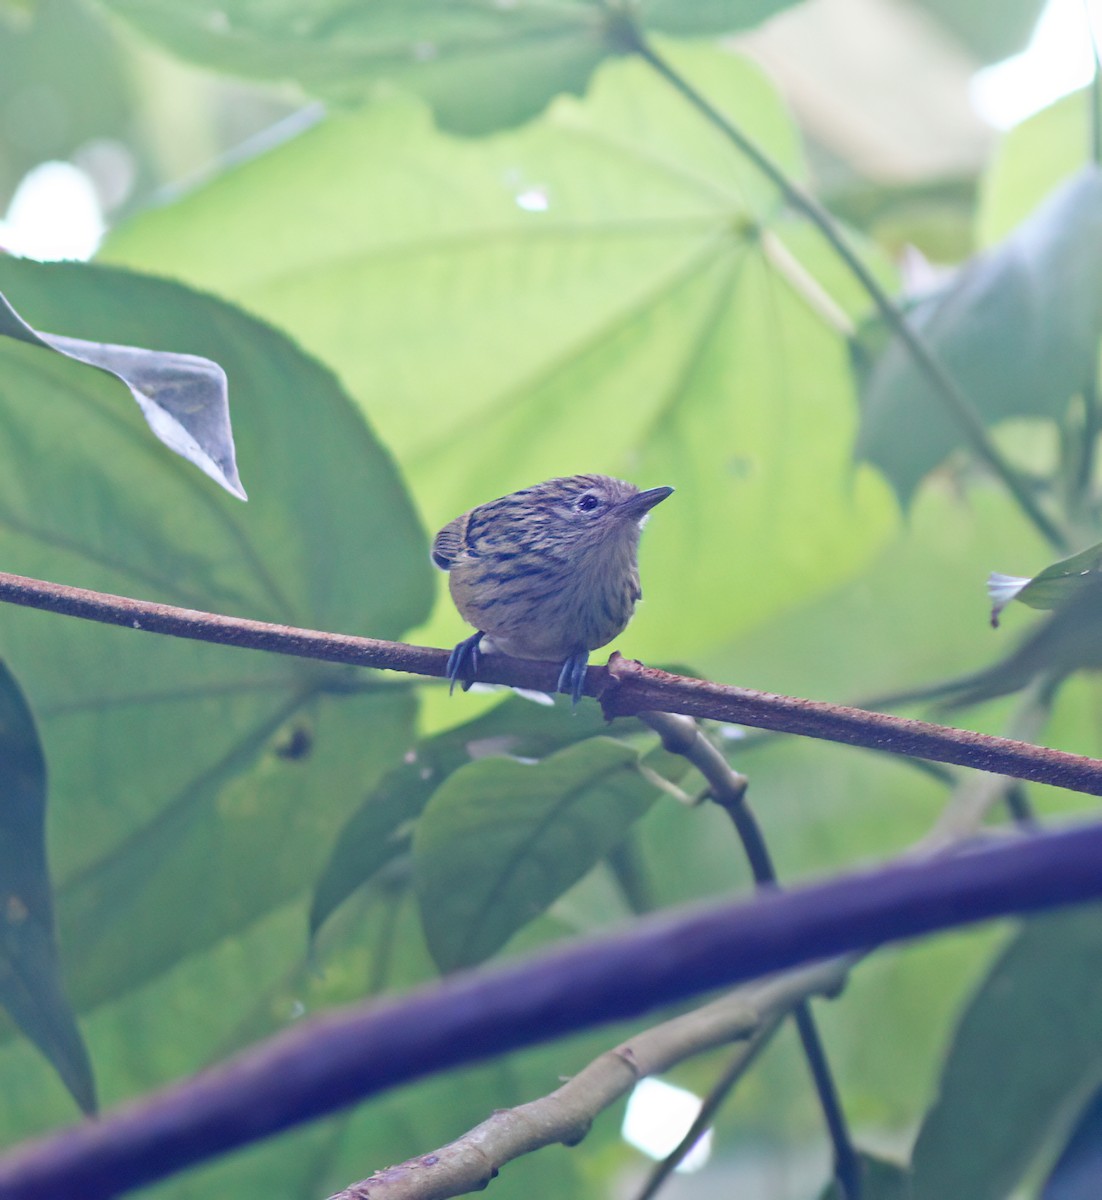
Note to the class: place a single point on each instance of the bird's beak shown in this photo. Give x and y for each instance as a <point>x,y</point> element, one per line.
<point>636,507</point>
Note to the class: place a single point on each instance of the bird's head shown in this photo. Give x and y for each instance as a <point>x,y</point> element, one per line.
<point>593,510</point>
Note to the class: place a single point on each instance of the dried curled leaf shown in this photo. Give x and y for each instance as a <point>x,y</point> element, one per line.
<point>184,398</point>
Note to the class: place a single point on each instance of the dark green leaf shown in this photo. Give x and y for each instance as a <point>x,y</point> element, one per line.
<point>198,787</point>
<point>501,840</point>
<point>1028,1045</point>
<point>183,397</point>
<point>30,972</point>
<point>1078,1171</point>
<point>1018,329</point>
<point>482,67</point>
<point>381,827</point>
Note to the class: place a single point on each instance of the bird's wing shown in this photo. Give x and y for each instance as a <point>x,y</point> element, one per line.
<point>450,542</point>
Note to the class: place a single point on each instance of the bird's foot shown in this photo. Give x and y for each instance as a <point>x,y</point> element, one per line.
<point>572,675</point>
<point>463,662</point>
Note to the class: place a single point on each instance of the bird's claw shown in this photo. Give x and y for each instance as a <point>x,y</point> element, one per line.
<point>572,675</point>
<point>463,662</point>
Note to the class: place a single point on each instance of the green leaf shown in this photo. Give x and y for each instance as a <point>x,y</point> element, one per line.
<point>183,397</point>
<point>1054,586</point>
<point>381,828</point>
<point>30,973</point>
<point>1037,1018</point>
<point>481,67</point>
<point>197,787</point>
<point>501,840</point>
<point>636,326</point>
<point>1018,329</point>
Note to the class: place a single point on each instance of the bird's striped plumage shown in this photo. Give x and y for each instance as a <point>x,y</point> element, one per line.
<point>550,571</point>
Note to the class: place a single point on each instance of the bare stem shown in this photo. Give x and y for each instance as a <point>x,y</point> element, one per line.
<point>741,1061</point>
<point>680,735</point>
<point>943,384</point>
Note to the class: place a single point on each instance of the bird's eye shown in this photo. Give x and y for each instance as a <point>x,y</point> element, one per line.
<point>587,503</point>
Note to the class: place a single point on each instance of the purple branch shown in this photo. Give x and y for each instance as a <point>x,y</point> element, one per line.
<point>335,1060</point>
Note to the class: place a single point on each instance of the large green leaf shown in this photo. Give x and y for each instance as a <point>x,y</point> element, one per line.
<point>380,829</point>
<point>30,973</point>
<point>481,67</point>
<point>1018,328</point>
<point>1026,1053</point>
<point>195,787</point>
<point>589,293</point>
<point>502,839</point>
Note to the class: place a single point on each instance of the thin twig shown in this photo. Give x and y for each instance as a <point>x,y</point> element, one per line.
<point>741,1061</point>
<point>324,1064</point>
<point>624,687</point>
<point>944,385</point>
<point>1018,806</point>
<point>681,735</point>
<point>565,1115</point>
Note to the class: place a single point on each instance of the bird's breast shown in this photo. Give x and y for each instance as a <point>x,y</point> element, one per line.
<point>547,606</point>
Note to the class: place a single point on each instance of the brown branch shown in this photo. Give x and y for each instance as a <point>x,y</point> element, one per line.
<point>635,688</point>
<point>624,687</point>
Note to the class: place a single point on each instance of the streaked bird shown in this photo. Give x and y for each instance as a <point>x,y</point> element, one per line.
<point>550,572</point>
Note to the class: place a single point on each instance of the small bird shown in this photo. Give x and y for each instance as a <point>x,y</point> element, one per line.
<point>550,572</point>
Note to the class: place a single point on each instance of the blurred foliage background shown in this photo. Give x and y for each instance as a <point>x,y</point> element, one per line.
<point>443,252</point>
